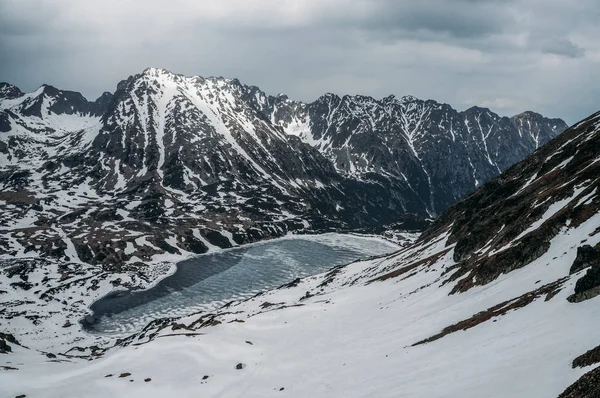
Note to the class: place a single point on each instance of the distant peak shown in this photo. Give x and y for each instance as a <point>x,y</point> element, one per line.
<point>161,73</point>
<point>528,114</point>
<point>156,71</point>
<point>409,98</point>
<point>539,118</point>
<point>49,89</point>
<point>477,109</point>
<point>330,97</point>
<point>361,97</point>
<point>402,100</point>
<point>106,96</point>
<point>9,91</point>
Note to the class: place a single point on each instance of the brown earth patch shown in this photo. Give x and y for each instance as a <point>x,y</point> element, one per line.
<point>497,310</point>
<point>191,334</point>
<point>401,271</point>
<point>266,304</point>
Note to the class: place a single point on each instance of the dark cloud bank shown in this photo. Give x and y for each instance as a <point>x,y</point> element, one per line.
<point>508,55</point>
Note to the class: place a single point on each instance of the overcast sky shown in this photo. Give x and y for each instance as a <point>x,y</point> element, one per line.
<point>508,55</point>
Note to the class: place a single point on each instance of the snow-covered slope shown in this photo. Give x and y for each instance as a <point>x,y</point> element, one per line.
<point>498,298</point>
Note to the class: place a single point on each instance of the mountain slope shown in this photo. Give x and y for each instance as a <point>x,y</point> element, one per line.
<point>498,298</point>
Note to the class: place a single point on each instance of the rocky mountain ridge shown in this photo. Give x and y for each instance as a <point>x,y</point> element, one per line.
<point>441,153</point>
<point>181,152</point>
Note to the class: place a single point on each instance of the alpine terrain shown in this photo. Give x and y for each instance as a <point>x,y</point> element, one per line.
<point>97,195</point>
<point>498,297</point>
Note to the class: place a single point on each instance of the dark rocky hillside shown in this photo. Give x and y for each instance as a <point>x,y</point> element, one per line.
<point>440,153</point>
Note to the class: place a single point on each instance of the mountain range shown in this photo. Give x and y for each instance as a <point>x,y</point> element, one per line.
<point>169,164</point>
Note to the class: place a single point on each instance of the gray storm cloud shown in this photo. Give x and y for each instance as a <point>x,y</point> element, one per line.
<point>509,55</point>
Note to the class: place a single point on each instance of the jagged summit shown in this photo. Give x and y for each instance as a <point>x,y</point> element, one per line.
<point>530,114</point>
<point>162,73</point>
<point>477,109</point>
<point>329,97</point>
<point>158,71</point>
<point>47,100</point>
<point>9,91</point>
<point>443,154</point>
<point>409,98</point>
<point>536,118</point>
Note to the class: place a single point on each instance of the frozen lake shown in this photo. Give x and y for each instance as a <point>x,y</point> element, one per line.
<point>208,281</point>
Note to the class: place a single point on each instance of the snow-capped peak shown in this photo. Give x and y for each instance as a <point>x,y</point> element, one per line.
<point>9,91</point>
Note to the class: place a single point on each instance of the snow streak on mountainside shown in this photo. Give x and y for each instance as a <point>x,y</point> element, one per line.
<point>499,298</point>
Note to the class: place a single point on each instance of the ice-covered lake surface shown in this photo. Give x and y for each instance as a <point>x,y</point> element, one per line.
<point>208,281</point>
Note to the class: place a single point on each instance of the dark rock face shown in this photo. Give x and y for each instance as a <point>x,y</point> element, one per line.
<point>588,386</point>
<point>588,286</point>
<point>102,103</point>
<point>5,339</point>
<point>4,347</point>
<point>589,358</point>
<point>217,239</point>
<point>51,99</point>
<point>587,256</point>
<point>5,126</point>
